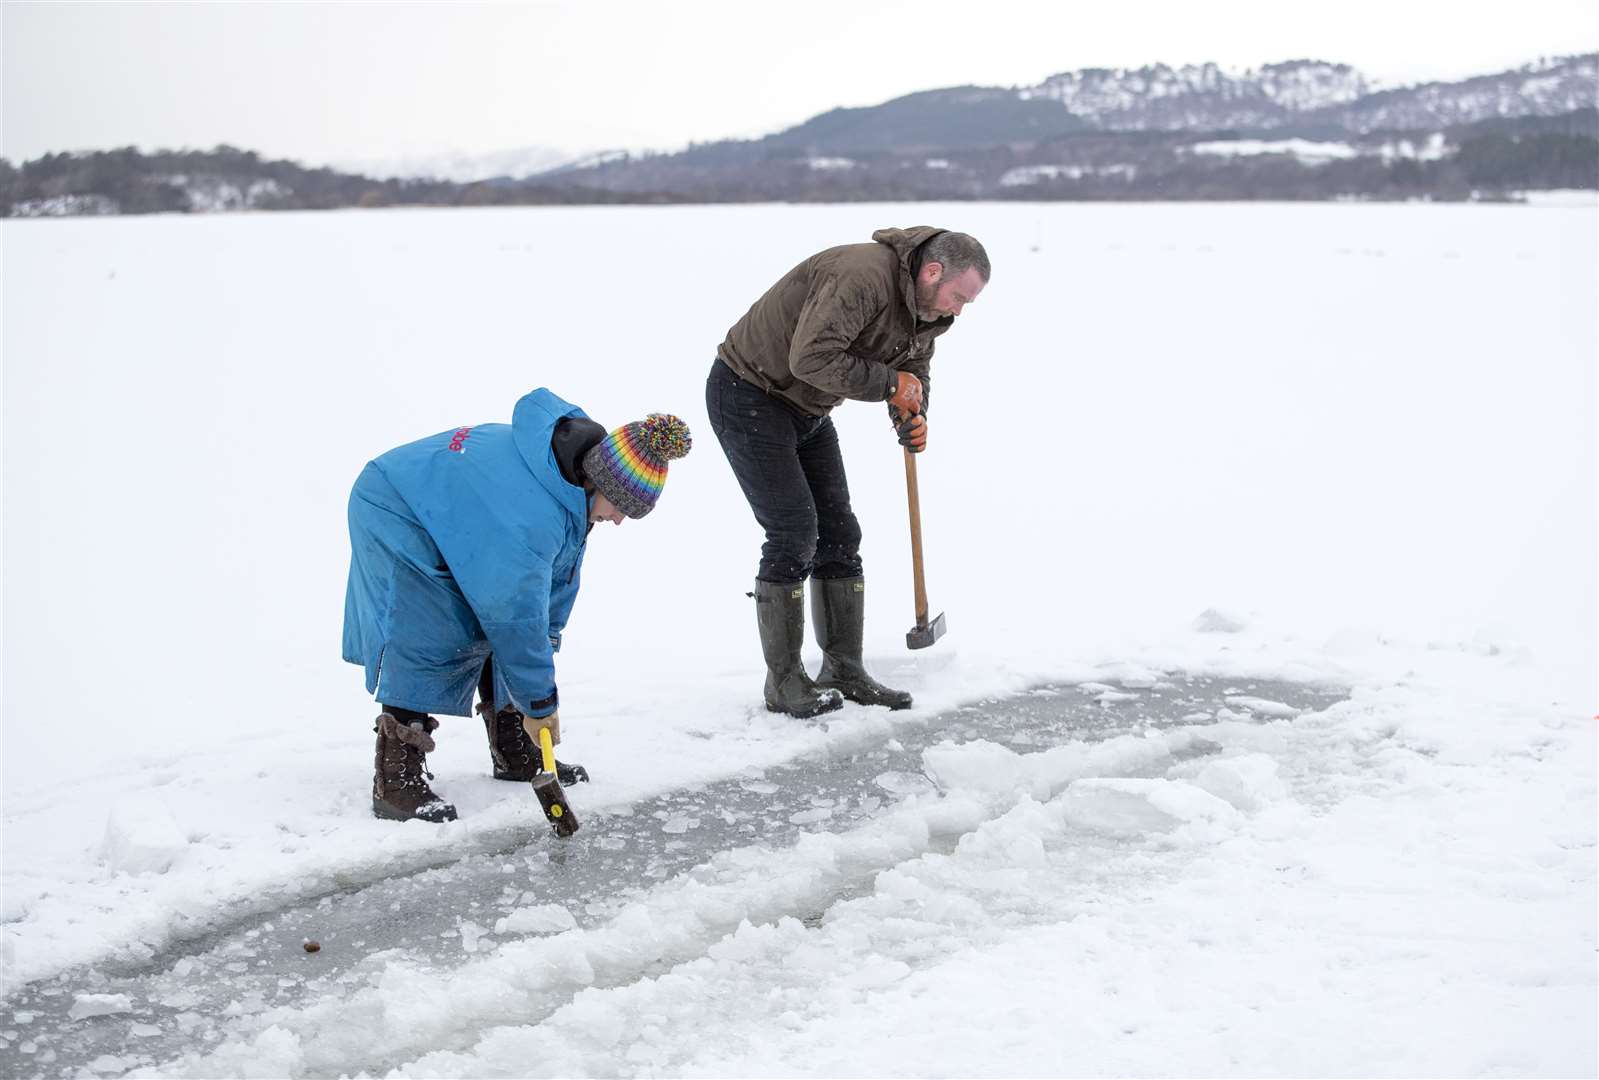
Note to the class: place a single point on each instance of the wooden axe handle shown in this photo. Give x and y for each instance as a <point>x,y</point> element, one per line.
<point>915,502</point>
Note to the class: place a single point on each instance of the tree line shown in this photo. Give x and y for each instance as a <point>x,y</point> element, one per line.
<point>135,182</point>
<point>1486,161</point>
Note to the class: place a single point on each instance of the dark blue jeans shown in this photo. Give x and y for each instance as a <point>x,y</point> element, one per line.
<point>793,476</point>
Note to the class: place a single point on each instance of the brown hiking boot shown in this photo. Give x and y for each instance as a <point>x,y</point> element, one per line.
<point>400,781</point>
<point>513,753</point>
<point>512,750</point>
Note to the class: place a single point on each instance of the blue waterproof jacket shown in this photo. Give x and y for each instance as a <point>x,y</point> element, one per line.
<point>466,543</point>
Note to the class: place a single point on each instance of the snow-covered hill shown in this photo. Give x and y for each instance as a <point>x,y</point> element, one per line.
<point>1544,88</point>
<point>1204,97</point>
<point>1200,97</point>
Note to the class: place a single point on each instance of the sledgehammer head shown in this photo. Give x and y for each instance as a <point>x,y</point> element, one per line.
<point>924,634</point>
<point>556,809</point>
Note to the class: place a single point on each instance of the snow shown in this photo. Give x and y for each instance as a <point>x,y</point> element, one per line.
<point>1434,147</point>
<point>1024,175</point>
<point>1103,95</point>
<point>1211,621</point>
<point>141,835</point>
<point>214,195</point>
<point>64,205</point>
<point>1563,197</point>
<point>463,167</point>
<point>1247,781</point>
<point>1307,151</point>
<point>1348,446</point>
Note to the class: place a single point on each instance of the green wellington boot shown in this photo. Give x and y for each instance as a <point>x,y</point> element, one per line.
<point>780,615</point>
<point>838,607</point>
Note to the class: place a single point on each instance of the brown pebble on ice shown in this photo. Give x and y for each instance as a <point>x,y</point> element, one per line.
<point>313,946</point>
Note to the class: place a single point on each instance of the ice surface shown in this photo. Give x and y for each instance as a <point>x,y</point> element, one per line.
<point>1357,438</point>
<point>537,919</point>
<point>1248,781</point>
<point>1128,807</point>
<point>797,844</point>
<point>87,1005</point>
<point>1260,706</point>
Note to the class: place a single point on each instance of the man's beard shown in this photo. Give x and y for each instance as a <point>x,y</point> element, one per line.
<point>925,295</point>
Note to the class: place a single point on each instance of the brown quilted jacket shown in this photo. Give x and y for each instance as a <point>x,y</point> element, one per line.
<point>838,325</point>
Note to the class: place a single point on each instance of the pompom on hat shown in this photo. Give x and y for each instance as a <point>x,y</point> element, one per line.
<point>628,466</point>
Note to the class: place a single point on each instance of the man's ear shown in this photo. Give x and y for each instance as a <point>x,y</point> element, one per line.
<point>932,271</point>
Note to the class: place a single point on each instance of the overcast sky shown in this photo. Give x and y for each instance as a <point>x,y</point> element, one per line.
<point>340,81</point>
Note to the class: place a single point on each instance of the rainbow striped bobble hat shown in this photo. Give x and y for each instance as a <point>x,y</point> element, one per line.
<point>628,466</point>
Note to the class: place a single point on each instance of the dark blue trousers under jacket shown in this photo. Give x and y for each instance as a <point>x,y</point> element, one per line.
<point>790,469</point>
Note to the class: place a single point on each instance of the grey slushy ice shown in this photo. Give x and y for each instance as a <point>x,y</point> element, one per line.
<point>177,994</point>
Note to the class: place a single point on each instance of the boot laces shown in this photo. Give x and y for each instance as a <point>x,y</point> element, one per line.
<point>421,755</point>
<point>512,738</point>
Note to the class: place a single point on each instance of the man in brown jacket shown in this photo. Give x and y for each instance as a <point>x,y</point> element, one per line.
<point>856,321</point>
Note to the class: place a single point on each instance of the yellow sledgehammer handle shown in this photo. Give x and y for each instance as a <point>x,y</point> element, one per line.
<point>547,750</point>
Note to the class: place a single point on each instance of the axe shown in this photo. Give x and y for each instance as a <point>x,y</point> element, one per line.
<point>924,633</point>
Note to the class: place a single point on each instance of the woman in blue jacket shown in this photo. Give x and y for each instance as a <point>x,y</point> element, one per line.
<point>466,552</point>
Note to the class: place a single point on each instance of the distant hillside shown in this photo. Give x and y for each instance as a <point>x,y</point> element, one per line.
<point>1546,88</point>
<point>1200,97</point>
<point>127,181</point>
<point>1300,97</point>
<point>1450,164</point>
<point>1312,95</point>
<point>1303,129</point>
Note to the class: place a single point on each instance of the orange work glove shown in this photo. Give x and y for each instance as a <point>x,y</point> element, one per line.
<point>907,395</point>
<point>913,434</point>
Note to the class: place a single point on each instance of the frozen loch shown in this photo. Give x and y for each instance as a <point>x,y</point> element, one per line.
<point>1261,743</point>
<point>663,888</point>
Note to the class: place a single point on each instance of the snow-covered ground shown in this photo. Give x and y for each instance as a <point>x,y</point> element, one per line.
<point>1348,446</point>
<point>1313,152</point>
<point>1307,151</point>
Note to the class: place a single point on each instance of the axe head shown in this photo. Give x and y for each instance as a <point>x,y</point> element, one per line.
<point>924,634</point>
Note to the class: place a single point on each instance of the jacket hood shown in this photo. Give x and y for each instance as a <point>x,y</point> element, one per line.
<point>906,241</point>
<point>574,436</point>
<point>533,427</point>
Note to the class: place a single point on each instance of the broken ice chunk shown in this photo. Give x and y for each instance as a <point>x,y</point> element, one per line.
<point>1263,707</point>
<point>87,1005</point>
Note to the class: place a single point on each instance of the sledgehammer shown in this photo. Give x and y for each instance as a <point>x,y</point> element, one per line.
<point>548,789</point>
<point>924,633</point>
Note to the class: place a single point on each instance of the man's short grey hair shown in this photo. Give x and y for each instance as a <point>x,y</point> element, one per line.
<point>957,253</point>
